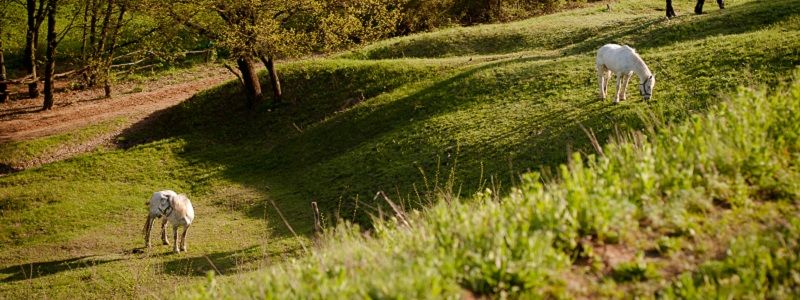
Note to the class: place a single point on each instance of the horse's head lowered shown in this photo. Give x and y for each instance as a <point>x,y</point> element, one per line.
<point>646,87</point>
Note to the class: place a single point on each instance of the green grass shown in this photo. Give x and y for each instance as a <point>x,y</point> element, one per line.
<point>444,114</point>
<point>736,164</point>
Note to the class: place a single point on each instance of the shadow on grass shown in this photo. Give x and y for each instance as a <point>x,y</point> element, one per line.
<point>224,263</point>
<point>475,42</point>
<point>41,269</point>
<point>347,153</point>
<point>647,31</point>
<point>415,123</point>
<point>659,32</point>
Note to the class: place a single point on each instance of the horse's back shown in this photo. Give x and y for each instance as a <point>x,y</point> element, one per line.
<point>608,50</point>
<point>612,56</point>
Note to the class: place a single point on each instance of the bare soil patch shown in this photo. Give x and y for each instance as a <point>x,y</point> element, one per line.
<point>23,119</point>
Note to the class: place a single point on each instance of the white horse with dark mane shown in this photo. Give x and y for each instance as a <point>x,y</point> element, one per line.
<point>623,61</point>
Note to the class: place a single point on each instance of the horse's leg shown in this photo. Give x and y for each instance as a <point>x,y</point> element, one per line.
<point>606,80</point>
<point>183,237</point>
<point>721,4</point>
<point>619,87</point>
<point>601,78</point>
<point>164,231</point>
<point>670,10</point>
<point>625,79</point>
<point>698,9</point>
<point>148,226</point>
<point>175,238</point>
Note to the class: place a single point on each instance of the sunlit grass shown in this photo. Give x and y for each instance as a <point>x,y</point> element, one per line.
<point>431,120</point>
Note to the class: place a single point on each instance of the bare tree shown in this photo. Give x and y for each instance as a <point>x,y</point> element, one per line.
<point>102,23</point>
<point>36,14</point>
<point>3,77</point>
<point>50,63</point>
<point>53,39</point>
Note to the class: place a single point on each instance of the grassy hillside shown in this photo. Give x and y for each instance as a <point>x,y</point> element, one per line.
<point>458,110</point>
<point>702,210</point>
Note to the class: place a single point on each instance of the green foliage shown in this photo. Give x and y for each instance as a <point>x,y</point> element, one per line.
<point>343,24</point>
<point>638,270</point>
<point>285,28</point>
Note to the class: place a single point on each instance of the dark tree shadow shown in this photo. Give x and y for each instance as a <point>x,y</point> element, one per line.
<point>41,269</point>
<point>285,163</point>
<point>6,169</point>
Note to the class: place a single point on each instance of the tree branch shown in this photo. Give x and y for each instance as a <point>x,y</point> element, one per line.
<point>227,66</point>
<point>139,38</point>
<point>129,64</point>
<point>63,34</point>
<point>188,23</point>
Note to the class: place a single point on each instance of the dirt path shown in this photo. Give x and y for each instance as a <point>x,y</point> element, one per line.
<point>23,120</point>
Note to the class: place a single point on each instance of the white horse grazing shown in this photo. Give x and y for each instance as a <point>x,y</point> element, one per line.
<point>177,209</point>
<point>624,61</point>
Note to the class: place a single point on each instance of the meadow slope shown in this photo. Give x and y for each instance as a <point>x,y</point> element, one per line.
<point>444,113</point>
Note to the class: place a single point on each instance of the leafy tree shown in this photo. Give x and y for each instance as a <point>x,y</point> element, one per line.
<point>273,29</point>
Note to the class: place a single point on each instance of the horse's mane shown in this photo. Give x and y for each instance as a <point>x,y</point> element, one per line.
<point>638,59</point>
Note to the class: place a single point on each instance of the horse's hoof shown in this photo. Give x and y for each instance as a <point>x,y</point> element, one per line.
<point>166,243</point>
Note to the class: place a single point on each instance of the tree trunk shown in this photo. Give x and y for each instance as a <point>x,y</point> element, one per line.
<point>251,84</point>
<point>91,71</point>
<point>85,31</point>
<point>3,86</point>
<point>277,93</point>
<point>104,31</point>
<point>29,59</point>
<point>50,64</point>
<point>112,45</point>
